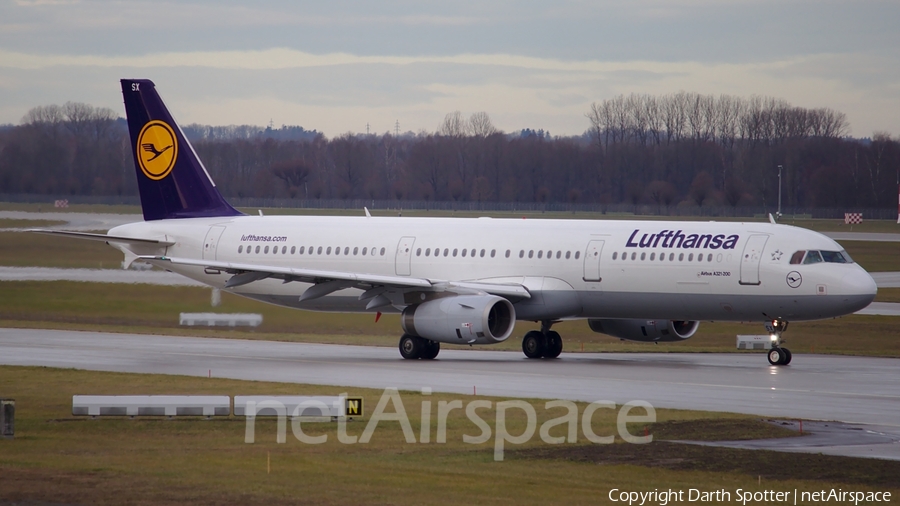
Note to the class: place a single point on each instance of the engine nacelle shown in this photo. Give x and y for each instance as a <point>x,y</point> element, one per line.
<point>461,319</point>
<point>647,331</point>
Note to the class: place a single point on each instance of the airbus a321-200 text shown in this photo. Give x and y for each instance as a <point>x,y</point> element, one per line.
<point>467,281</point>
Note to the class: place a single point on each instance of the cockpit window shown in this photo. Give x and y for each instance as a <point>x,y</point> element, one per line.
<point>812,257</point>
<point>837,257</point>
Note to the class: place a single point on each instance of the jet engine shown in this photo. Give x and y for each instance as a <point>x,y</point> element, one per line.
<point>647,331</point>
<point>461,319</point>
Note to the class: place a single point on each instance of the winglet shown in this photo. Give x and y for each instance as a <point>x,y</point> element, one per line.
<point>172,181</point>
<point>366,209</point>
<point>771,219</point>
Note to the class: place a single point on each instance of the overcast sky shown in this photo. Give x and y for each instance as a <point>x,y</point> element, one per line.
<point>335,66</point>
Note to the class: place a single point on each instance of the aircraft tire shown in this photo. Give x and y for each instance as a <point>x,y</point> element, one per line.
<point>411,347</point>
<point>431,350</point>
<point>787,357</point>
<point>775,356</point>
<point>554,345</point>
<point>533,344</point>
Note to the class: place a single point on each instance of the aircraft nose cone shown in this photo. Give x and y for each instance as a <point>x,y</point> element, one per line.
<point>860,285</point>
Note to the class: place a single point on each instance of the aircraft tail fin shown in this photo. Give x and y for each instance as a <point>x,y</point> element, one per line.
<point>172,181</point>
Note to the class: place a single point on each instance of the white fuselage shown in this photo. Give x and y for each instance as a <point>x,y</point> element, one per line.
<point>572,268</point>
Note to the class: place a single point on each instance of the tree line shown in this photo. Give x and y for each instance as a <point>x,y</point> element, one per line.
<point>680,149</point>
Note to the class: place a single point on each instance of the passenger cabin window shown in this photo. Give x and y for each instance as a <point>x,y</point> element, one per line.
<point>240,249</point>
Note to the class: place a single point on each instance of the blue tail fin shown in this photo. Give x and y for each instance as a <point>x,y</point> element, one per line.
<point>172,181</point>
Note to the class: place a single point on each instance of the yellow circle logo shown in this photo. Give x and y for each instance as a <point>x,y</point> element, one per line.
<point>157,149</point>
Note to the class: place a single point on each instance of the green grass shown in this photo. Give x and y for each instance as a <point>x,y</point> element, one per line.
<point>15,223</point>
<point>888,295</point>
<point>155,309</point>
<point>56,458</point>
<point>21,249</point>
<point>48,207</point>
<point>838,225</point>
<point>874,256</point>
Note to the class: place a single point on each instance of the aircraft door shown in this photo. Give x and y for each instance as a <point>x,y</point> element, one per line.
<point>404,255</point>
<point>751,258</point>
<point>592,256</point>
<point>212,242</point>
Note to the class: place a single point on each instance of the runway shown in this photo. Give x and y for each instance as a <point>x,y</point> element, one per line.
<point>819,387</point>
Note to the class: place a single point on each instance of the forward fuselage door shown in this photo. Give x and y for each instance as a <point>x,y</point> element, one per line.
<point>211,243</point>
<point>750,259</point>
<point>592,256</point>
<point>404,255</point>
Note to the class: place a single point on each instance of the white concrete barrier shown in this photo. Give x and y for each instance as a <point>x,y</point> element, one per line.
<point>221,319</point>
<point>151,405</point>
<point>290,405</point>
<point>754,342</point>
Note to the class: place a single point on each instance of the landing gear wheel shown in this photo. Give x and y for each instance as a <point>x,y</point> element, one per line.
<point>533,344</point>
<point>431,350</point>
<point>411,347</point>
<point>554,345</point>
<point>779,356</point>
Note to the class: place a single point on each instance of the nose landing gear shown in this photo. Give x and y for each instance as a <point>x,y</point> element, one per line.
<point>778,354</point>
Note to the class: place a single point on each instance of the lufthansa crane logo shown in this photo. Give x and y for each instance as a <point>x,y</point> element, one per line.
<point>794,279</point>
<point>157,149</point>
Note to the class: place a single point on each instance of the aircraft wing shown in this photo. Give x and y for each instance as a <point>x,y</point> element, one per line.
<point>103,237</point>
<point>325,282</point>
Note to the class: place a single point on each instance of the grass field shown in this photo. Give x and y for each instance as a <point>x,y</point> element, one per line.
<point>14,223</point>
<point>883,226</point>
<point>58,459</point>
<point>155,309</point>
<point>20,249</point>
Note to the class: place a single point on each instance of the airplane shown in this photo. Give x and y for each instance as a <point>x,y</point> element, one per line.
<point>467,281</point>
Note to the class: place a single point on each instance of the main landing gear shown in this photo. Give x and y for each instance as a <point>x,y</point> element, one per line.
<point>413,347</point>
<point>544,343</point>
<point>778,355</point>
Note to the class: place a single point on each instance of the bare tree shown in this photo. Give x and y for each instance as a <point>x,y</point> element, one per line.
<point>453,125</point>
<point>294,174</point>
<point>480,125</point>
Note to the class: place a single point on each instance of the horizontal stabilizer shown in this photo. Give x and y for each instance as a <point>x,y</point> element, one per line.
<point>103,237</point>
